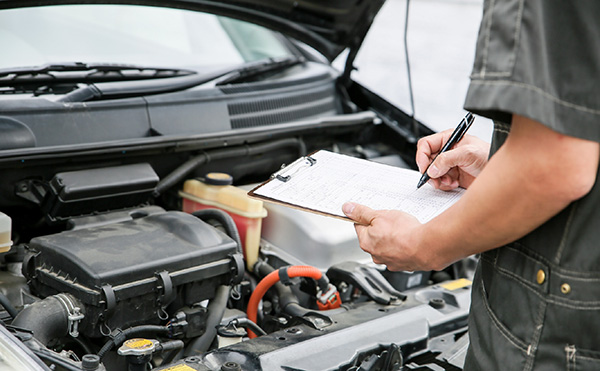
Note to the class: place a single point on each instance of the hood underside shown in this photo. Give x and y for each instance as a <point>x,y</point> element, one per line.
<point>329,26</point>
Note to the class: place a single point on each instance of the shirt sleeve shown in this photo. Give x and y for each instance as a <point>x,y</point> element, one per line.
<point>539,59</point>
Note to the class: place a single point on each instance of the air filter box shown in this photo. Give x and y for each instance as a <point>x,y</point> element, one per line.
<point>128,273</point>
<point>86,192</point>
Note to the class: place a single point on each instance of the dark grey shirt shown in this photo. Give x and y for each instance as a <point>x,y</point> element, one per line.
<point>536,301</point>
<point>540,59</point>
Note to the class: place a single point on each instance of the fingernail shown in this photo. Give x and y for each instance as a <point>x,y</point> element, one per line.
<point>433,171</point>
<point>347,208</point>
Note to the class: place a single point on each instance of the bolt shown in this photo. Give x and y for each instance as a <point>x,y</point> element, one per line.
<point>437,303</point>
<point>231,366</point>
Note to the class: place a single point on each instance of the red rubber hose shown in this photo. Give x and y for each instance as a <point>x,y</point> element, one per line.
<point>272,278</point>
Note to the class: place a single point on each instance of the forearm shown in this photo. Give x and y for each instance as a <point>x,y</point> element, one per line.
<point>521,187</point>
<point>535,175</point>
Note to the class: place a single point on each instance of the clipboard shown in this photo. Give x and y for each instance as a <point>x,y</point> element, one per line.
<point>322,181</point>
<point>284,175</point>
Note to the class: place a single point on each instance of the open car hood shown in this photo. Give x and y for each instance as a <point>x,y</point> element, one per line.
<point>329,26</point>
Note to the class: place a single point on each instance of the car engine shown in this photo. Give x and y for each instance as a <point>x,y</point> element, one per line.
<point>225,283</point>
<point>129,243</point>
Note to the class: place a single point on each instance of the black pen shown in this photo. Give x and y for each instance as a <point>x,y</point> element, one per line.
<point>456,136</point>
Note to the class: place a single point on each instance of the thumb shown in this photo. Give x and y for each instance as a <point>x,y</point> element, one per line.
<point>359,213</point>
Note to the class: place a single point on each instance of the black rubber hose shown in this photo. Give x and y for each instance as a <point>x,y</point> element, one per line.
<point>170,350</point>
<point>171,345</point>
<point>8,305</point>
<point>184,169</point>
<point>216,308</point>
<point>128,333</point>
<point>86,348</point>
<point>287,299</point>
<point>48,319</point>
<point>226,221</point>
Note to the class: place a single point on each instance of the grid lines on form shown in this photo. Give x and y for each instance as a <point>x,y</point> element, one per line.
<point>335,179</point>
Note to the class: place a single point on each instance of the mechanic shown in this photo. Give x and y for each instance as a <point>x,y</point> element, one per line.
<point>532,210</point>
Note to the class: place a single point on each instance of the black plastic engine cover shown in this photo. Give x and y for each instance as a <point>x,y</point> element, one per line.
<point>85,192</point>
<point>127,273</point>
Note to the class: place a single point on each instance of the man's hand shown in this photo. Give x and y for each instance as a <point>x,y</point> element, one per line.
<point>456,167</point>
<point>532,177</point>
<point>386,235</point>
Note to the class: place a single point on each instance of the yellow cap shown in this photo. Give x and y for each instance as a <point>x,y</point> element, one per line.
<point>218,179</point>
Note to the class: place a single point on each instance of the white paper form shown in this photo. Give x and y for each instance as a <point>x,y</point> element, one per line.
<point>334,179</point>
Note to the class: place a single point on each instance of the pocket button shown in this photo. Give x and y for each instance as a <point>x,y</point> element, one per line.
<point>541,276</point>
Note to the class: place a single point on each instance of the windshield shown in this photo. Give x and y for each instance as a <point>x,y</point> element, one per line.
<point>129,34</point>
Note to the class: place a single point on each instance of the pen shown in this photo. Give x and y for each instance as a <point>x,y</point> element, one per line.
<point>456,136</point>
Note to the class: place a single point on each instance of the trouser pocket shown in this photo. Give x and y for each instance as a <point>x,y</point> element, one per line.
<point>581,359</point>
<point>492,345</point>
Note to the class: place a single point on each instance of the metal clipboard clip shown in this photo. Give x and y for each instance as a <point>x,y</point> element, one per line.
<point>286,172</point>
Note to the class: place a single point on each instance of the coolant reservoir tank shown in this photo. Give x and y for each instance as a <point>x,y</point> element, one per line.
<point>5,228</point>
<point>216,191</point>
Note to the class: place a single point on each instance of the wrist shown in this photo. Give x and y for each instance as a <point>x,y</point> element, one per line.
<point>430,253</point>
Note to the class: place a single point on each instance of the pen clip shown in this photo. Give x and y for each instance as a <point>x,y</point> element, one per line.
<point>469,118</point>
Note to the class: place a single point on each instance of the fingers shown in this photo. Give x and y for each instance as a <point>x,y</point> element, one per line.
<point>476,150</point>
<point>468,158</point>
<point>359,213</point>
<point>363,217</point>
<point>387,235</point>
<point>448,183</point>
<point>428,146</point>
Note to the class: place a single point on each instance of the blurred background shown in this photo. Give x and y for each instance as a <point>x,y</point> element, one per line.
<point>441,46</point>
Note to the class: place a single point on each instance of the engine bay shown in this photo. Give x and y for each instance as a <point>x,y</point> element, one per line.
<point>171,284</point>
<point>140,250</point>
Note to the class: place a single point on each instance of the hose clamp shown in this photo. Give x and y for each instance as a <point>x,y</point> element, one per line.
<point>284,276</point>
<point>74,315</point>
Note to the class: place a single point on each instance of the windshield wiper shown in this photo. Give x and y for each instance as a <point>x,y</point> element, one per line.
<point>78,72</point>
<point>111,90</point>
<point>248,72</point>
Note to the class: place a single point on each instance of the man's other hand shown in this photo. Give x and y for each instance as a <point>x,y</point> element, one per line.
<point>457,167</point>
<point>388,236</point>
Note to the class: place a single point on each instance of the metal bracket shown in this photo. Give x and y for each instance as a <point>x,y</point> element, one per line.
<point>31,190</point>
<point>370,281</point>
